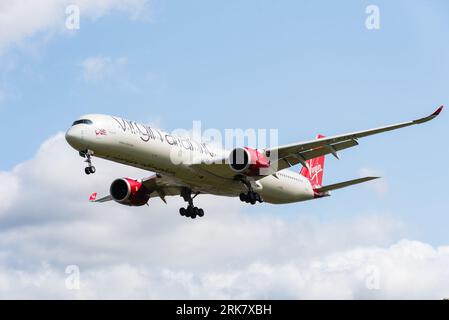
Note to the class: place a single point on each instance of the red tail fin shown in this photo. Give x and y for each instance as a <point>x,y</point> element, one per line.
<point>316,167</point>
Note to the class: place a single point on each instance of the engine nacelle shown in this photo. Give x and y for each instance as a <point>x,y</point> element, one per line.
<point>248,161</point>
<point>129,192</point>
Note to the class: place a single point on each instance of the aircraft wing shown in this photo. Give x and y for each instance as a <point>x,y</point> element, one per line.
<point>289,155</point>
<point>157,185</point>
<point>162,186</point>
<point>292,154</point>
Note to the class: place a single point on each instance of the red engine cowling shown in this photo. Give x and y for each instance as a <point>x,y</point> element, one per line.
<point>129,192</point>
<point>248,161</point>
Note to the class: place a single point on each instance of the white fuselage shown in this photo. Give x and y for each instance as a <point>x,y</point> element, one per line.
<point>149,148</point>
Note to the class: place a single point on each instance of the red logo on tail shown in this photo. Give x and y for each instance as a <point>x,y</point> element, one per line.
<point>314,170</point>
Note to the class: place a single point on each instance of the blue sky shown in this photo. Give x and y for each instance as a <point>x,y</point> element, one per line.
<point>300,66</point>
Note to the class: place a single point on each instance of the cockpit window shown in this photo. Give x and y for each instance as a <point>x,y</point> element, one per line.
<point>82,121</point>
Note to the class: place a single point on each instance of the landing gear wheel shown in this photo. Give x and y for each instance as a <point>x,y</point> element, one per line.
<point>90,169</point>
<point>250,197</point>
<point>191,211</point>
<point>183,212</point>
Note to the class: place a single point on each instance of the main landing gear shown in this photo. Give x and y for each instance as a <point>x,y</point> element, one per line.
<point>251,196</point>
<point>90,169</point>
<point>191,211</point>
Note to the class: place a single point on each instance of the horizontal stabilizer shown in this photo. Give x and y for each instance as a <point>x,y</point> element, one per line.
<point>93,198</point>
<point>344,184</point>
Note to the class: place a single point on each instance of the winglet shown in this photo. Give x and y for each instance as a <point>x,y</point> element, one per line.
<point>428,118</point>
<point>93,197</point>
<point>438,111</point>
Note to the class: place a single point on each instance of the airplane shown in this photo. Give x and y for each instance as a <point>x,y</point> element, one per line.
<point>186,167</point>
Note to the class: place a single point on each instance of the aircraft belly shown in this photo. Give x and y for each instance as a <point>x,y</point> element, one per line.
<point>198,183</point>
<point>155,156</point>
<point>281,191</point>
<point>217,186</point>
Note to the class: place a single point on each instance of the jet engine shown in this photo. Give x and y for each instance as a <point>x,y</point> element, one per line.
<point>248,161</point>
<point>129,192</point>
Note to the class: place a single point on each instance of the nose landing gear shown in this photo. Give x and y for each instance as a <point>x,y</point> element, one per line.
<point>191,211</point>
<point>90,169</point>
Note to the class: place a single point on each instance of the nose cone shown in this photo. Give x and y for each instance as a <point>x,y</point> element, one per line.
<point>73,137</point>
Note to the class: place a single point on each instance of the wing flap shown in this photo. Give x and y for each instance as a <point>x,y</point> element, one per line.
<point>162,185</point>
<point>300,157</point>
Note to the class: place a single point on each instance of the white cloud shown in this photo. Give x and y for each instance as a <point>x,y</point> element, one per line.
<point>98,68</point>
<point>22,19</point>
<point>152,252</point>
<point>379,186</point>
<point>108,71</point>
<point>8,190</point>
